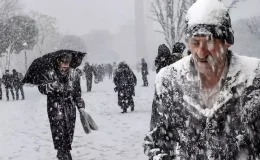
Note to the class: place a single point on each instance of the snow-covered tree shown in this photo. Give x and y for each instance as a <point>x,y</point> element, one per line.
<point>72,42</point>
<point>8,8</point>
<point>47,28</point>
<point>253,25</point>
<point>16,34</point>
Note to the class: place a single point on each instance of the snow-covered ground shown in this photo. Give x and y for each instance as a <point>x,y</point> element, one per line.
<point>25,132</point>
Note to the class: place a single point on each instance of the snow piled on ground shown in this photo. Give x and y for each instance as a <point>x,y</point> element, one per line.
<point>25,132</point>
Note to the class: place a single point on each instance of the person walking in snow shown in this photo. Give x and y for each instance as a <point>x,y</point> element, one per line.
<point>63,92</point>
<point>207,105</point>
<point>145,72</point>
<point>110,70</point>
<point>8,82</point>
<point>163,58</point>
<point>18,85</point>
<point>125,81</point>
<point>1,91</point>
<point>89,72</point>
<point>114,69</point>
<point>177,51</point>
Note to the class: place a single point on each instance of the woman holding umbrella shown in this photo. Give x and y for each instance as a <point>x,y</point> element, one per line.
<point>56,76</point>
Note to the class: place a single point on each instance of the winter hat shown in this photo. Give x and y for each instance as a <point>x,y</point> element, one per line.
<point>65,57</point>
<point>209,18</point>
<point>163,50</point>
<point>178,47</point>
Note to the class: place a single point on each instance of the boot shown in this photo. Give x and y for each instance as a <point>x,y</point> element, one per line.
<point>132,108</point>
<point>124,110</point>
<point>64,155</point>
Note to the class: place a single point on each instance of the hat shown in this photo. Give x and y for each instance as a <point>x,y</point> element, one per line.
<point>178,47</point>
<point>65,57</point>
<point>209,18</point>
<point>163,50</point>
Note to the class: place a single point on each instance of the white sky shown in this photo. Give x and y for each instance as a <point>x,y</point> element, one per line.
<point>81,16</point>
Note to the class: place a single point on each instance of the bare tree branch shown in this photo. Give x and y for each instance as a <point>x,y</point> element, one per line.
<point>233,4</point>
<point>253,25</point>
<point>170,14</point>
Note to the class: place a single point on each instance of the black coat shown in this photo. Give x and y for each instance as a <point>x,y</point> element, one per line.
<point>144,69</point>
<point>8,80</point>
<point>182,126</point>
<point>125,80</point>
<point>17,77</point>
<point>162,60</point>
<point>89,71</point>
<point>61,107</point>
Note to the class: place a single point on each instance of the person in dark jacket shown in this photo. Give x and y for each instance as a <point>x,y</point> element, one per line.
<point>18,85</point>
<point>125,81</point>
<point>8,82</point>
<point>1,92</point>
<point>145,72</point>
<point>89,72</point>
<point>110,71</point>
<point>163,58</point>
<point>63,92</point>
<point>177,51</point>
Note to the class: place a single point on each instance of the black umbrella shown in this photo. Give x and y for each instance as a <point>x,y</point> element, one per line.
<point>41,65</point>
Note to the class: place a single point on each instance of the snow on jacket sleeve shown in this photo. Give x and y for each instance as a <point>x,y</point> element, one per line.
<point>161,141</point>
<point>77,94</point>
<point>46,88</point>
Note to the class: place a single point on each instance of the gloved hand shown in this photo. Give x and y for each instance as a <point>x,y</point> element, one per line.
<point>56,86</point>
<point>82,110</point>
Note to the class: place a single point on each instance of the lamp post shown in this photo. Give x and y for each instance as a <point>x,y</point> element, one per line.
<point>25,56</point>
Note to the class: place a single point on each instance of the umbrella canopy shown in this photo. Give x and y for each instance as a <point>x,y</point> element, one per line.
<point>38,68</point>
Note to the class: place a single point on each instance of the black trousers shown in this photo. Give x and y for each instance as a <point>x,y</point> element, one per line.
<point>145,80</point>
<point>17,89</point>
<point>89,83</point>
<point>1,92</point>
<point>7,88</point>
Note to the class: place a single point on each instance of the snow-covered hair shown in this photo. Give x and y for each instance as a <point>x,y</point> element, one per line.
<point>209,18</point>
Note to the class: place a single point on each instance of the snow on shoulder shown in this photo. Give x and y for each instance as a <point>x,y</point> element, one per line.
<point>209,12</point>
<point>166,74</point>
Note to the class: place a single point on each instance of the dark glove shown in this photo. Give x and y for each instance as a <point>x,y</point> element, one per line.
<point>80,103</point>
<point>115,89</point>
<point>55,86</point>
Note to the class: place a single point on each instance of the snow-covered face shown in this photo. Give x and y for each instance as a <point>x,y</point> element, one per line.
<point>209,54</point>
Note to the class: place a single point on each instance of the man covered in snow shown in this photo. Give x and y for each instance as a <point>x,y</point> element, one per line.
<point>125,81</point>
<point>207,105</point>
<point>63,94</point>
<point>145,72</point>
